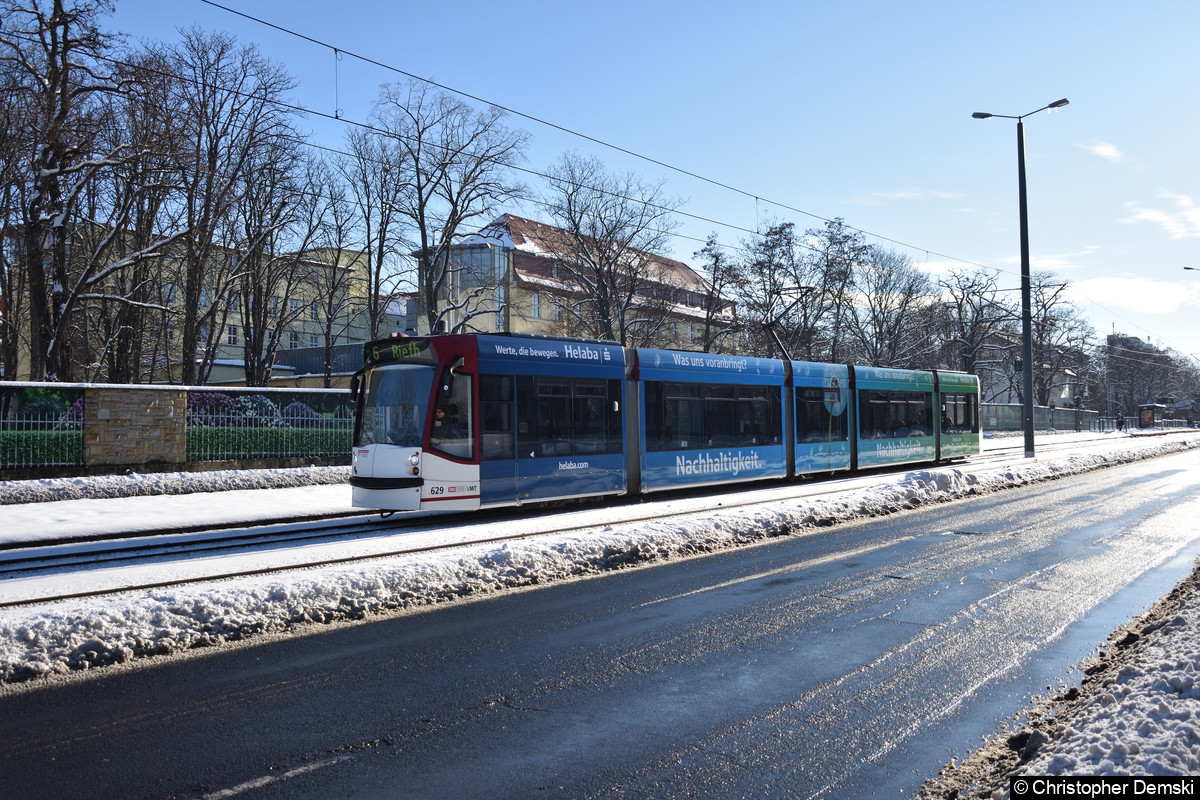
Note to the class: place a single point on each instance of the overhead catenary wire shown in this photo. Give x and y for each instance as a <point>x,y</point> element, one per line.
<point>617,148</point>
<point>339,53</point>
<point>563,129</point>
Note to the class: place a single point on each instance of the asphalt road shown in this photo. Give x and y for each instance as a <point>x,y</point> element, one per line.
<point>848,663</point>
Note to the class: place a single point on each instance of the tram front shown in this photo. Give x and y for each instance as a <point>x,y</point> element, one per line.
<point>414,432</point>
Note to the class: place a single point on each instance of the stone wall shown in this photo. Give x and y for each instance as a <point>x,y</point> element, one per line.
<point>134,427</point>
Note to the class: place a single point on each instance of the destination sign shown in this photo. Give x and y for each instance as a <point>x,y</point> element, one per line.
<point>407,348</point>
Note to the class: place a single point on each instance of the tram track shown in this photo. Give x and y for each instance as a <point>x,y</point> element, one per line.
<point>109,564</point>
<point>33,574</point>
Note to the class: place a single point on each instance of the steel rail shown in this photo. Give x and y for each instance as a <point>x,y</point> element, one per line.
<point>140,550</point>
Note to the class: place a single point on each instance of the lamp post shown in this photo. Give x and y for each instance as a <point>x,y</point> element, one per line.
<point>1026,309</point>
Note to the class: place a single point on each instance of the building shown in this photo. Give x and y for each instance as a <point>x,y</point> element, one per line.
<point>271,318</point>
<point>515,276</point>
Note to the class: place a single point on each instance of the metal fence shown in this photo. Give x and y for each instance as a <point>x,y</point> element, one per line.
<point>237,424</point>
<point>41,440</point>
<point>42,426</point>
<point>1010,417</point>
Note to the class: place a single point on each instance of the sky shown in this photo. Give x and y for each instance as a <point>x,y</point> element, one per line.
<point>759,112</point>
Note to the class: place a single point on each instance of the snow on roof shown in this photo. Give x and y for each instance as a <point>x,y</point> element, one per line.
<point>537,239</point>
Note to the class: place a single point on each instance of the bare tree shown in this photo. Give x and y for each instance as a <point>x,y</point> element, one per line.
<point>614,233</point>
<point>835,251</point>
<point>14,321</point>
<point>457,161</point>
<point>377,172</point>
<point>130,322</point>
<point>778,289</point>
<point>889,324</point>
<point>50,53</point>
<point>337,262</point>
<point>720,328</point>
<point>981,329</point>
<point>275,233</point>
<point>227,103</point>
<point>1061,338</point>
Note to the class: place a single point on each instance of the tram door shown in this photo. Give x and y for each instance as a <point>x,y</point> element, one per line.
<point>450,467</point>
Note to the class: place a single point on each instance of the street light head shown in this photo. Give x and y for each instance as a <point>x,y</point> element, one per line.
<point>1058,103</point>
<point>981,115</point>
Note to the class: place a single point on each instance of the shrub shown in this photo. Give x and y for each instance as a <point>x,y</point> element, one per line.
<point>212,409</point>
<point>298,415</point>
<point>259,411</point>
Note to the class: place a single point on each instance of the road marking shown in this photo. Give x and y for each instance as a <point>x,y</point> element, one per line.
<point>267,780</point>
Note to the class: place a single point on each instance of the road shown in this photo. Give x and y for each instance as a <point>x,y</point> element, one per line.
<point>852,662</point>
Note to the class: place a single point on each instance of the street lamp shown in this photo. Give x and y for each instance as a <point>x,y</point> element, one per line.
<point>1026,310</point>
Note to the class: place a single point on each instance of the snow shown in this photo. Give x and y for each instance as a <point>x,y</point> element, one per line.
<point>1136,715</point>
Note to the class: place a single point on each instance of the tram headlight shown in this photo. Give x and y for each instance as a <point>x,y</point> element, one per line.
<point>415,460</point>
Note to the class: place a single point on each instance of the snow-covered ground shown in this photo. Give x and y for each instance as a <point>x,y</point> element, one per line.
<point>1135,715</point>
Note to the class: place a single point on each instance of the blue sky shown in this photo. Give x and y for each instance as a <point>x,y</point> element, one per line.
<point>852,109</point>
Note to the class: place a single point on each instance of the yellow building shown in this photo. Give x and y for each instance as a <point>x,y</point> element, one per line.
<point>533,288</point>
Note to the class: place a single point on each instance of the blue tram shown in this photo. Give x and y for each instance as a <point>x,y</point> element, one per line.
<point>459,422</point>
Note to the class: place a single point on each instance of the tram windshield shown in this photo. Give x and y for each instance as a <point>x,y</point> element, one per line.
<point>393,410</point>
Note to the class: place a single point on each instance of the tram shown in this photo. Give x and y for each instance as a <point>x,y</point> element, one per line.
<point>465,421</point>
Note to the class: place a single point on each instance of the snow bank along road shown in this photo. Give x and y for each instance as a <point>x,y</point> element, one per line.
<point>39,641</point>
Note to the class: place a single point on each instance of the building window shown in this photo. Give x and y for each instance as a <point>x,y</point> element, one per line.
<point>314,340</point>
<point>535,304</point>
<point>231,334</point>
<point>293,340</point>
<point>315,312</point>
<point>294,305</point>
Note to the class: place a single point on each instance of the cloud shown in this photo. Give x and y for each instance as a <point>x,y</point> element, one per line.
<point>1181,222</point>
<point>1105,150</point>
<point>1140,294</point>
<point>1058,262</point>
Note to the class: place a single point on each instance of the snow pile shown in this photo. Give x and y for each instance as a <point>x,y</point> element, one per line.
<point>1143,722</point>
<point>52,638</point>
<point>1136,712</point>
<point>165,483</point>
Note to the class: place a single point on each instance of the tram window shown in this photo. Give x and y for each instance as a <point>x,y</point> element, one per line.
<point>960,413</point>
<point>452,430</point>
<point>496,417</point>
<point>394,406</point>
<point>615,431</point>
<point>682,416</point>
<point>892,415</point>
<point>721,418</point>
<point>758,415</point>
<point>566,417</point>
<point>553,431</point>
<point>590,421</point>
<point>526,417</point>
<point>814,422</point>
